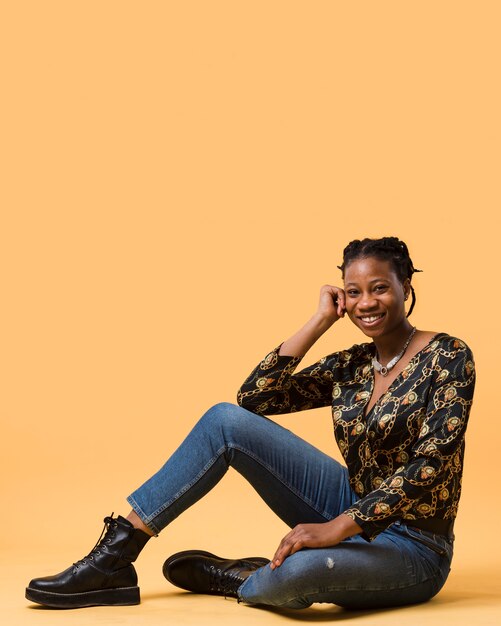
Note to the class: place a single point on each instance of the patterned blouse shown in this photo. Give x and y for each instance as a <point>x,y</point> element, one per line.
<point>405,458</point>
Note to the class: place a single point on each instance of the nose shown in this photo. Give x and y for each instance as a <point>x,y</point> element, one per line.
<point>367,302</point>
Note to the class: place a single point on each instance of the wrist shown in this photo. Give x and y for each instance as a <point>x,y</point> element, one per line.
<point>321,322</point>
<point>347,525</point>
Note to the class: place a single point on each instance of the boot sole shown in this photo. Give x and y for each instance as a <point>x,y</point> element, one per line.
<point>180,555</point>
<point>121,596</point>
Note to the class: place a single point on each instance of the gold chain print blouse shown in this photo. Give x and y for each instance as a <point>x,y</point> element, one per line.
<point>405,458</point>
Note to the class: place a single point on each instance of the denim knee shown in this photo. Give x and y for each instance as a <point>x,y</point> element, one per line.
<point>229,418</point>
<point>223,409</point>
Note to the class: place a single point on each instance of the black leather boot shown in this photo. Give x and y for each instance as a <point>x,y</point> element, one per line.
<point>105,576</point>
<point>203,572</point>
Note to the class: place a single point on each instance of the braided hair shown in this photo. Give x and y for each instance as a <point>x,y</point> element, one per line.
<point>386,249</point>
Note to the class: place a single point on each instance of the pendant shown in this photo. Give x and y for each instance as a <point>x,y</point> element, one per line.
<point>384,369</point>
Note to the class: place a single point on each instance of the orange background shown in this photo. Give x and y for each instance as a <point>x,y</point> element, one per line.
<point>179,180</point>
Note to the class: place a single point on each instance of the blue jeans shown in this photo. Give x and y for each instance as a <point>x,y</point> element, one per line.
<point>402,565</point>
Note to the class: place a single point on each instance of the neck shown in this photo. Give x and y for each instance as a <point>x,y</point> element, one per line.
<point>391,344</point>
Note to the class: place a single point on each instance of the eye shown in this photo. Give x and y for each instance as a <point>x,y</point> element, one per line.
<point>352,292</point>
<point>380,288</point>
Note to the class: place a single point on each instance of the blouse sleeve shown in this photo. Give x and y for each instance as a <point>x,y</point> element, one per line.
<point>434,454</point>
<point>272,388</point>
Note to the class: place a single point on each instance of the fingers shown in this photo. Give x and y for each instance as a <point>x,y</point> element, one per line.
<point>340,301</point>
<point>290,544</point>
<point>286,550</point>
<point>332,299</point>
<point>309,536</point>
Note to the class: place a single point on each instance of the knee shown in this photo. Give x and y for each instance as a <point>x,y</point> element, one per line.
<point>223,408</point>
<point>227,415</point>
<point>282,587</point>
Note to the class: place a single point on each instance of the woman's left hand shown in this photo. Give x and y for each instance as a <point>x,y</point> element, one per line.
<point>323,535</point>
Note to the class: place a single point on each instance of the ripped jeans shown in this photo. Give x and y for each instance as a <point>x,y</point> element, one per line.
<point>301,484</point>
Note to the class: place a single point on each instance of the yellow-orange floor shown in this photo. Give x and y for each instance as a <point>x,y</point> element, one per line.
<point>472,595</point>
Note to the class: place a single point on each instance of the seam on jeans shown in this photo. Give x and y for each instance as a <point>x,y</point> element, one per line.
<point>333,589</point>
<point>289,487</point>
<point>358,589</point>
<point>142,515</point>
<point>148,519</point>
<point>431,543</point>
<point>188,486</point>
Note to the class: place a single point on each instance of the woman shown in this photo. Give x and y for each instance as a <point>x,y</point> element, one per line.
<point>378,532</point>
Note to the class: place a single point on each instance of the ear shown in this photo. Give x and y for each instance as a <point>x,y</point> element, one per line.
<point>407,287</point>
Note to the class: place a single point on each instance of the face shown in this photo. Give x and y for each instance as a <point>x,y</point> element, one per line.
<point>375,296</point>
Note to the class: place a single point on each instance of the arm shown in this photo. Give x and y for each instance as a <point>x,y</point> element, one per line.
<point>434,456</point>
<point>299,344</point>
<point>272,389</point>
<point>331,307</point>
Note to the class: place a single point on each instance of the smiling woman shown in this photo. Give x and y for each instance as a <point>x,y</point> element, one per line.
<point>377,531</point>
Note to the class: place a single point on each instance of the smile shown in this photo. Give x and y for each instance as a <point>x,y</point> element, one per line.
<point>371,320</point>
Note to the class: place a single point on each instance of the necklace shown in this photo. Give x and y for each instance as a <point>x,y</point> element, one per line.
<point>384,369</point>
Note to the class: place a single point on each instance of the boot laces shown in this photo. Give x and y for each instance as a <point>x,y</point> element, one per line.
<point>108,528</point>
<point>225,581</point>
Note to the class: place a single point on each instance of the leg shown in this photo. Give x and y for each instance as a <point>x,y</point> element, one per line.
<point>392,570</point>
<point>299,482</point>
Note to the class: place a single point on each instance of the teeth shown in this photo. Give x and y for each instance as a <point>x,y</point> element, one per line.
<point>372,318</point>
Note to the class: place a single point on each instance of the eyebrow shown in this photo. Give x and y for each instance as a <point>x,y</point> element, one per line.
<point>376,280</point>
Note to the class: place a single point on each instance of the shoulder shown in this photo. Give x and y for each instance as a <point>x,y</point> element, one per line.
<point>449,345</point>
<point>452,355</point>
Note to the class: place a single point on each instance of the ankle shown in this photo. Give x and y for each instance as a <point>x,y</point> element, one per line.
<point>138,523</point>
